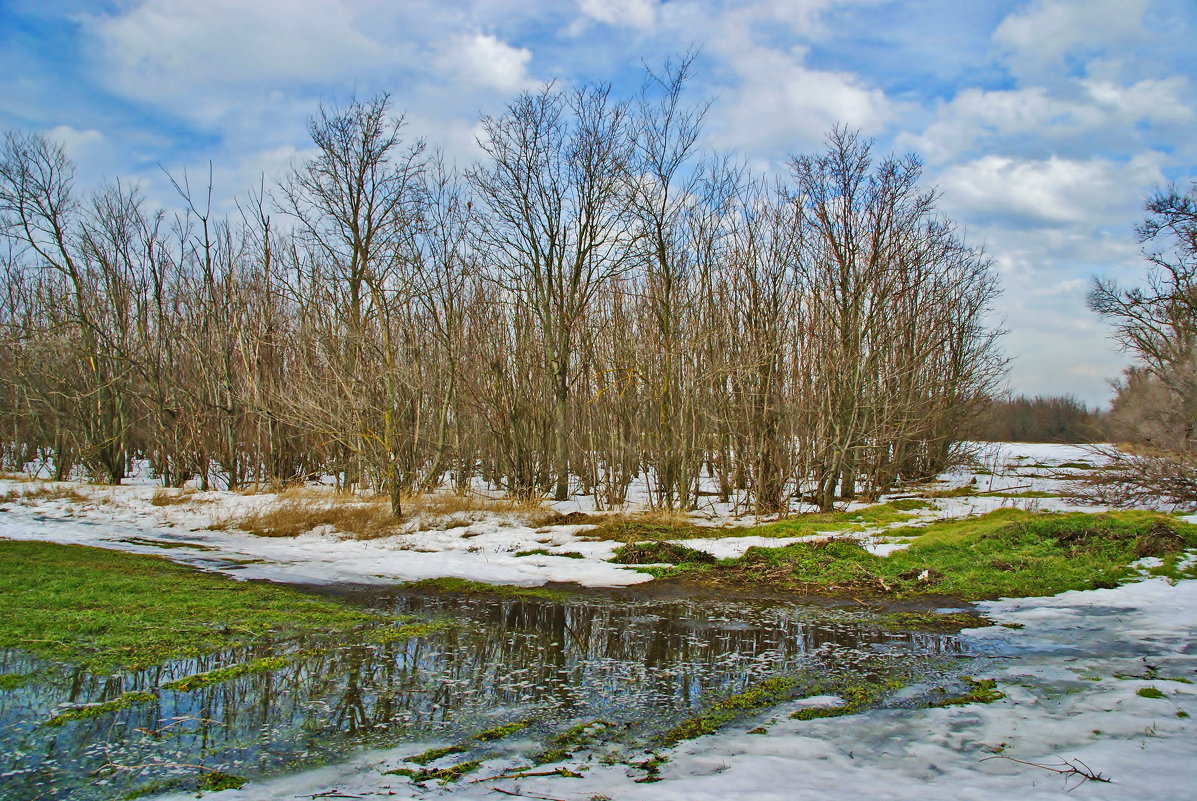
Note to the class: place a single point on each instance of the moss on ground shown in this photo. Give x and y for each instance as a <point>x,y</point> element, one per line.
<point>105,610</point>
<point>1008,552</point>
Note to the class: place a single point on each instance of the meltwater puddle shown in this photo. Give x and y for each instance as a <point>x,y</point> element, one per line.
<point>529,668</point>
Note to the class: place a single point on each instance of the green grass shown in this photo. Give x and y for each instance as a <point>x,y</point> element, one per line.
<point>382,636</point>
<point>96,710</point>
<point>544,552</point>
<point>221,675</point>
<point>562,746</point>
<point>980,691</point>
<point>499,732</point>
<point>13,681</point>
<point>433,754</point>
<point>1150,692</point>
<point>1008,552</point>
<point>882,514</point>
<point>449,774</point>
<point>763,694</point>
<point>105,610</point>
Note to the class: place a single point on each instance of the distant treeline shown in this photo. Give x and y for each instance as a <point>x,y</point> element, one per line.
<point>1041,419</point>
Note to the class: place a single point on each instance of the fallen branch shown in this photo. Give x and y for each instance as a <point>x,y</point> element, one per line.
<point>1067,768</point>
<point>525,795</point>
<point>562,772</point>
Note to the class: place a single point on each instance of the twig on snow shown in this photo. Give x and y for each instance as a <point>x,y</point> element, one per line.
<point>1066,767</point>
<point>525,795</point>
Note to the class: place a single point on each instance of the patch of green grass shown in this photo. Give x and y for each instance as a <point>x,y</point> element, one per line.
<point>1018,494</point>
<point>980,691</point>
<point>382,636</point>
<point>544,552</point>
<point>1009,552</point>
<point>449,774</point>
<point>97,710</point>
<point>934,621</point>
<point>466,587</point>
<point>1150,692</point>
<point>563,745</point>
<point>221,675</point>
<point>433,754</point>
<point>882,514</point>
<point>13,681</point>
<point>105,609</point>
<point>499,732</point>
<point>763,694</point>
<point>647,553</point>
<point>1077,466</point>
<point>857,694</point>
<point>215,781</point>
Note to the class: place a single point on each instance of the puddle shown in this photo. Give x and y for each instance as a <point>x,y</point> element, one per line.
<point>641,663</point>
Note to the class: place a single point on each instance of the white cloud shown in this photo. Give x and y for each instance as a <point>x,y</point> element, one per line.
<point>627,13</point>
<point>783,106</point>
<point>1051,191</point>
<point>1037,41</point>
<point>188,55</point>
<point>487,61</point>
<point>1086,116</point>
<point>78,144</point>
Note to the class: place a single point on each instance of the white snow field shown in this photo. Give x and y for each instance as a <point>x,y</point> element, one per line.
<point>1072,673</point>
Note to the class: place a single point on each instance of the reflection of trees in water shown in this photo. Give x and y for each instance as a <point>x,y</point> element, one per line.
<point>562,660</point>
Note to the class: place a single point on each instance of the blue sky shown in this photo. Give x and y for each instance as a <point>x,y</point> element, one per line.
<point>1045,123</point>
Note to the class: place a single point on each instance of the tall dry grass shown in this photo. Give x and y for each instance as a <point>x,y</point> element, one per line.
<point>299,510</point>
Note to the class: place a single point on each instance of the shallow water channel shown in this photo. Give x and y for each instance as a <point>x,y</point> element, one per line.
<point>638,662</point>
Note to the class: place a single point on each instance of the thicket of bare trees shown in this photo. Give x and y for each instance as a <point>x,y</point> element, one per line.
<point>597,300</point>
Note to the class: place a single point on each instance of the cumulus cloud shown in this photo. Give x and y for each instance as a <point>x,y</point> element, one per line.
<point>1049,191</point>
<point>487,61</point>
<point>782,106</point>
<point>1088,115</point>
<point>187,55</point>
<point>1037,41</point>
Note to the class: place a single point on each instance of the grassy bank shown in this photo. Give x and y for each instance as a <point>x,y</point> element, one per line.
<point>1009,552</point>
<point>107,610</point>
<point>644,528</point>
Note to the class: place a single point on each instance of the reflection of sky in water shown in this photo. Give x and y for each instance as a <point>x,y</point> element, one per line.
<point>643,664</point>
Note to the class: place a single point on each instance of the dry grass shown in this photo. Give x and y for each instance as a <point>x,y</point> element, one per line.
<point>290,518</point>
<point>303,508</point>
<point>164,496</point>
<point>44,492</point>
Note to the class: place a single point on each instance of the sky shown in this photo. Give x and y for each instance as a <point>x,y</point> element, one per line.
<point>1044,123</point>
